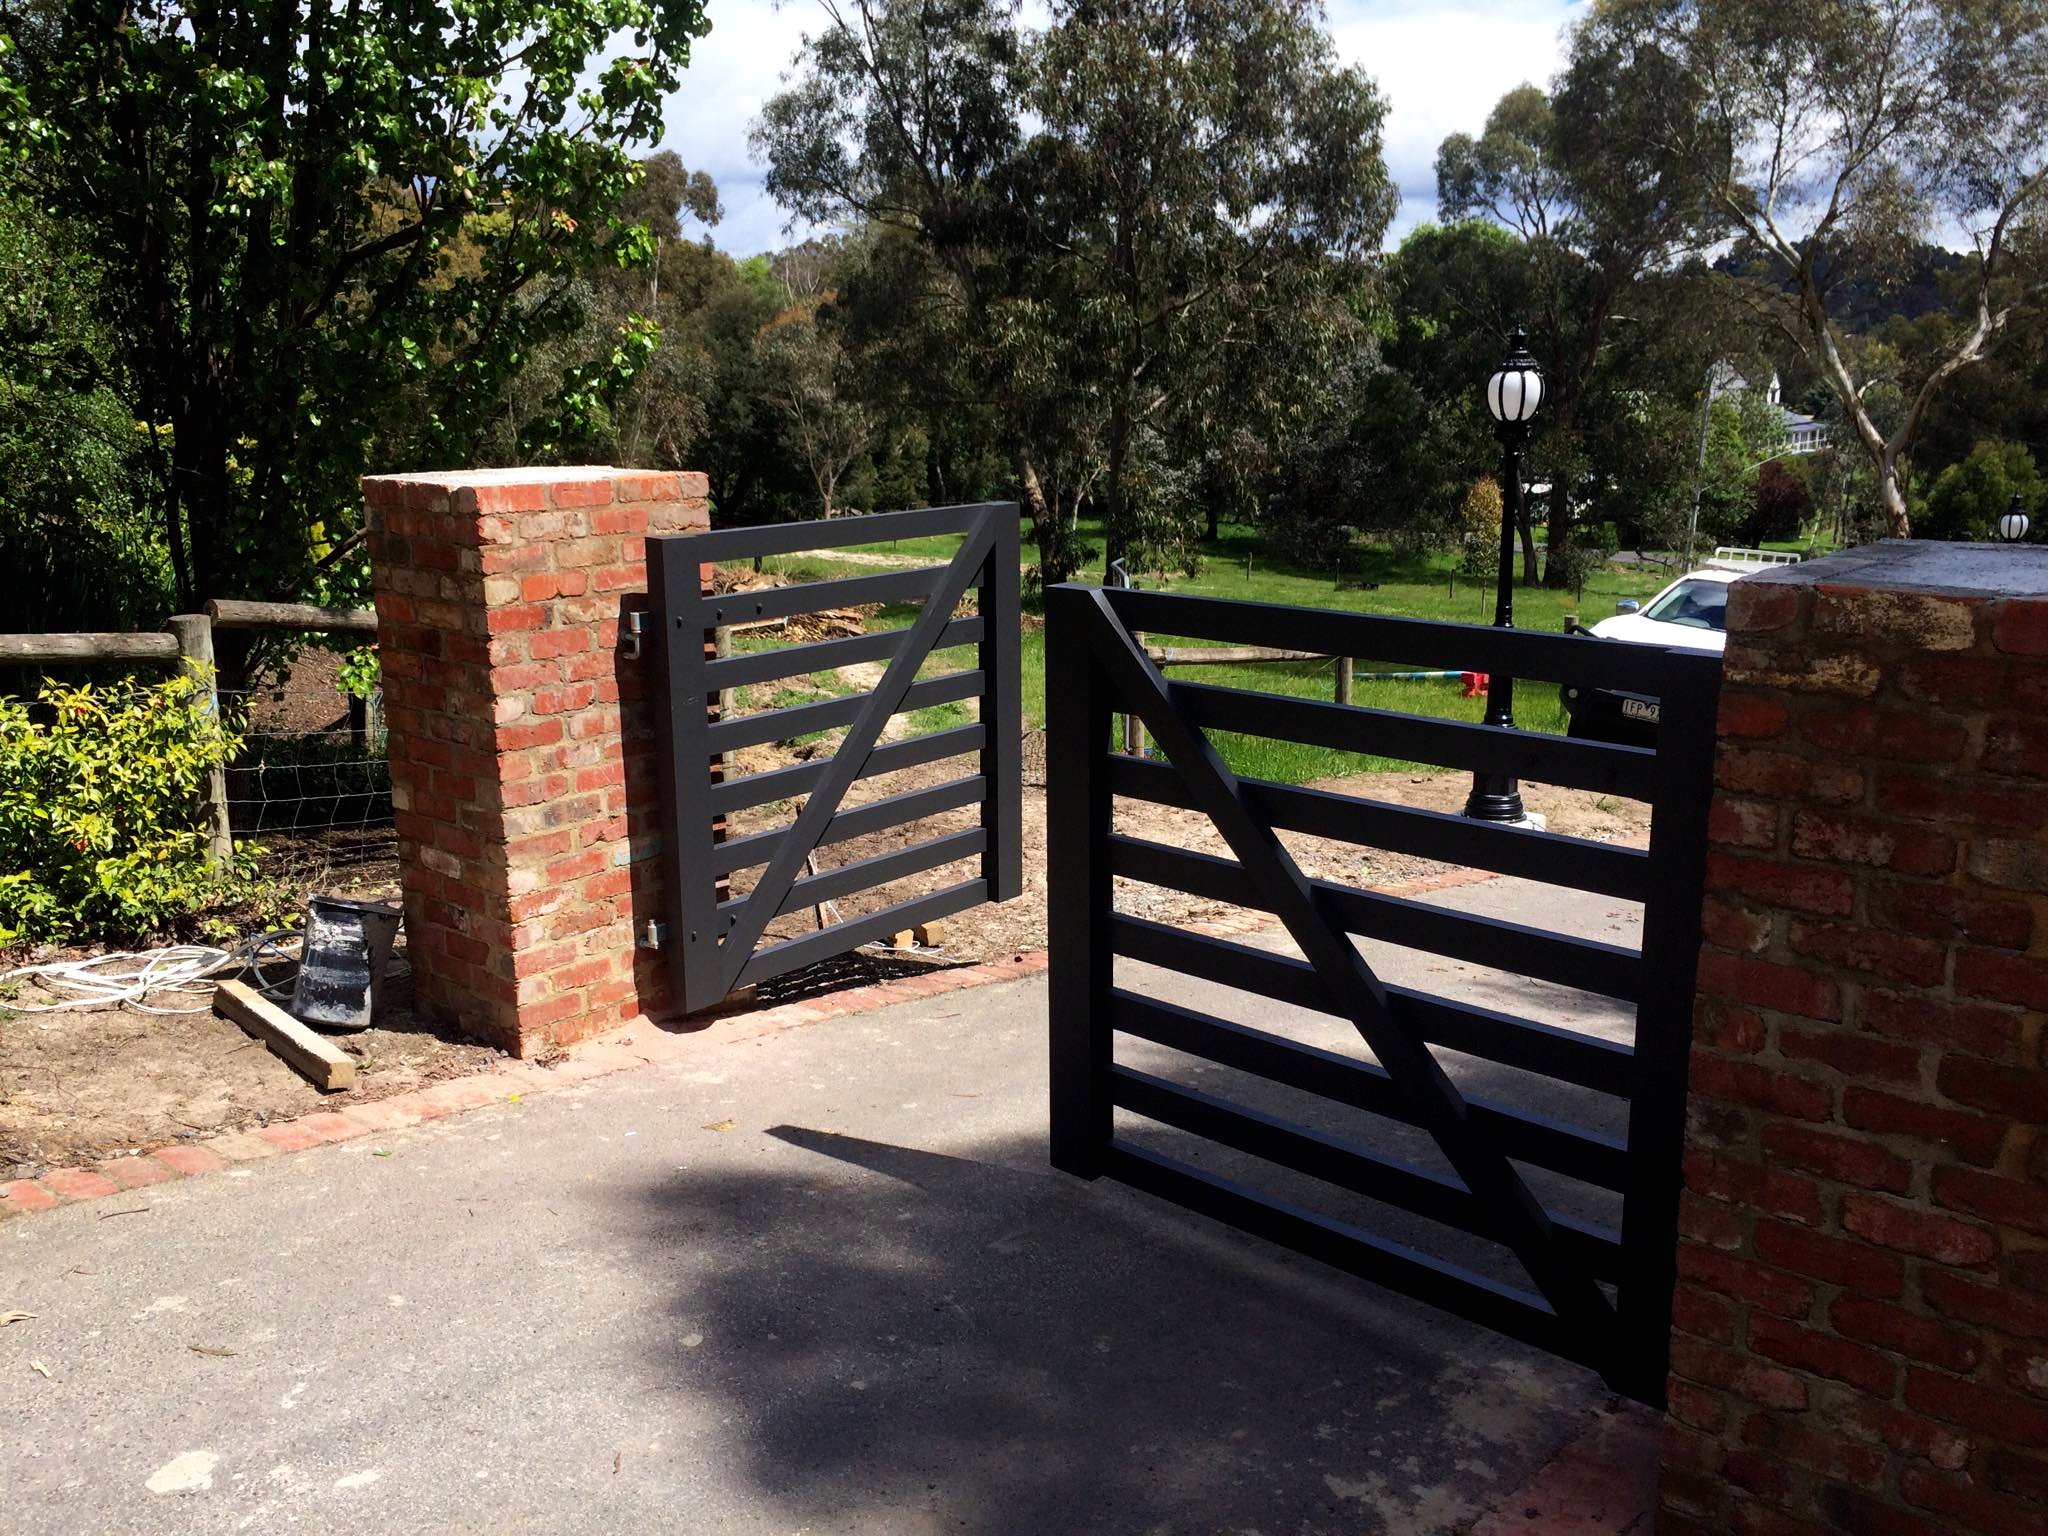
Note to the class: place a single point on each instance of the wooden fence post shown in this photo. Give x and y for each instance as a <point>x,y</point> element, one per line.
<point>1344,666</point>
<point>194,634</point>
<point>1134,732</point>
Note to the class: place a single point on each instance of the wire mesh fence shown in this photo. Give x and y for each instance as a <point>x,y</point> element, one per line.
<point>312,781</point>
<point>288,779</point>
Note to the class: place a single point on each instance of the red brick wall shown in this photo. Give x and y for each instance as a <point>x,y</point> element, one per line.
<point>521,755</point>
<point>1861,1339</point>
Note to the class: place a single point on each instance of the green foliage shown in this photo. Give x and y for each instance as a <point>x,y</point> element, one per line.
<point>1127,249</point>
<point>1479,529</point>
<point>1827,142</point>
<point>327,241</point>
<point>101,818</point>
<point>358,674</point>
<point>83,548</point>
<point>588,393</point>
<point>1210,184</point>
<point>1967,499</point>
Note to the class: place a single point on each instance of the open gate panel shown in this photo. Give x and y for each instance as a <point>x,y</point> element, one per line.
<point>719,940</point>
<point>1597,1292</point>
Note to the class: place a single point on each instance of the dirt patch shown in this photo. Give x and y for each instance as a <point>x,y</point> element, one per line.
<point>79,1086</point>
<point>76,1087</point>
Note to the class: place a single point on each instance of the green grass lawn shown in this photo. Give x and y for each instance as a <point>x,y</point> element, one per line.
<point>1376,580</point>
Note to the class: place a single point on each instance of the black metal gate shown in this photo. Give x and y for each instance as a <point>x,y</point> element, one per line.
<point>1598,1292</point>
<point>715,938</point>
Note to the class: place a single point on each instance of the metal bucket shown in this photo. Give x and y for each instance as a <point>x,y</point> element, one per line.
<point>341,969</point>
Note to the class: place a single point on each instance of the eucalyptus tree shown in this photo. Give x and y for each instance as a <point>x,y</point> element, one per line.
<point>902,121</point>
<point>1830,140</point>
<point>1206,174</point>
<point>325,227</point>
<point>1594,226</point>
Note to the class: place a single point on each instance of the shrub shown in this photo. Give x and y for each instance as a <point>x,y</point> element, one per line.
<point>1314,540</point>
<point>1779,506</point>
<point>1574,566</point>
<point>1479,530</point>
<point>1967,499</point>
<point>102,829</point>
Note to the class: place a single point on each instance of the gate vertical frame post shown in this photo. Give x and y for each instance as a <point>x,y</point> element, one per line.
<point>684,710</point>
<point>1002,752</point>
<point>1663,1038</point>
<point>1078,887</point>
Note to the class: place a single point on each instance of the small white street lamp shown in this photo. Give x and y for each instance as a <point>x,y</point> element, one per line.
<point>1512,395</point>
<point>2012,527</point>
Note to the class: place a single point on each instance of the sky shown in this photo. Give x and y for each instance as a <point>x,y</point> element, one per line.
<point>1441,67</point>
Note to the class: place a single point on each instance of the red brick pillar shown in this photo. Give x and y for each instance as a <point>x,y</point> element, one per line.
<point>521,757</point>
<point>1862,1315</point>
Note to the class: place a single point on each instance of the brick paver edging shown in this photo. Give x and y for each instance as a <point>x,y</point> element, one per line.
<point>634,1045</point>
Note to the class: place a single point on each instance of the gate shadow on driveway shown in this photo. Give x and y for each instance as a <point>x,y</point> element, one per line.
<point>900,1340</point>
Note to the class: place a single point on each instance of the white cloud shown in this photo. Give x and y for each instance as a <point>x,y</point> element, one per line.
<point>732,72</point>
<point>1442,68</point>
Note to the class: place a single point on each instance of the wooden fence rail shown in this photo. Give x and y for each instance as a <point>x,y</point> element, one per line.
<point>187,640</point>
<point>88,647</point>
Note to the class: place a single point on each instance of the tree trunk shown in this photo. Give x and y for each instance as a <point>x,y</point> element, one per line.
<point>1215,520</point>
<point>1055,558</point>
<point>1528,533</point>
<point>1557,562</point>
<point>1892,496</point>
<point>1114,530</point>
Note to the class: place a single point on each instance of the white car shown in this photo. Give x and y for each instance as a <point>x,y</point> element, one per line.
<point>1691,613</point>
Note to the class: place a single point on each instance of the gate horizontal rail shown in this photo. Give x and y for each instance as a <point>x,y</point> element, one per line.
<point>1595,1293</point>
<point>717,940</point>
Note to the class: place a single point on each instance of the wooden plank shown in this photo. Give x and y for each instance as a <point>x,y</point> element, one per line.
<point>319,1061</point>
<point>193,633</point>
<point>89,647</point>
<point>233,613</point>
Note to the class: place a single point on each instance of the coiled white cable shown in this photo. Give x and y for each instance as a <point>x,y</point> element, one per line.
<point>131,977</point>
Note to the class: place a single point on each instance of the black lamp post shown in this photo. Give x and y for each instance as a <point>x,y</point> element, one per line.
<point>2012,526</point>
<point>1512,395</point>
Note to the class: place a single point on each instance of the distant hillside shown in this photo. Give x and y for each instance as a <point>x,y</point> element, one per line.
<point>1858,304</point>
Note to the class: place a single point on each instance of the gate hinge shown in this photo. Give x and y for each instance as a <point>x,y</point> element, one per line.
<point>652,933</point>
<point>636,630</point>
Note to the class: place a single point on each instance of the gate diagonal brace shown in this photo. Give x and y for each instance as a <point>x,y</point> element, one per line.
<point>1353,989</point>
<point>767,897</point>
